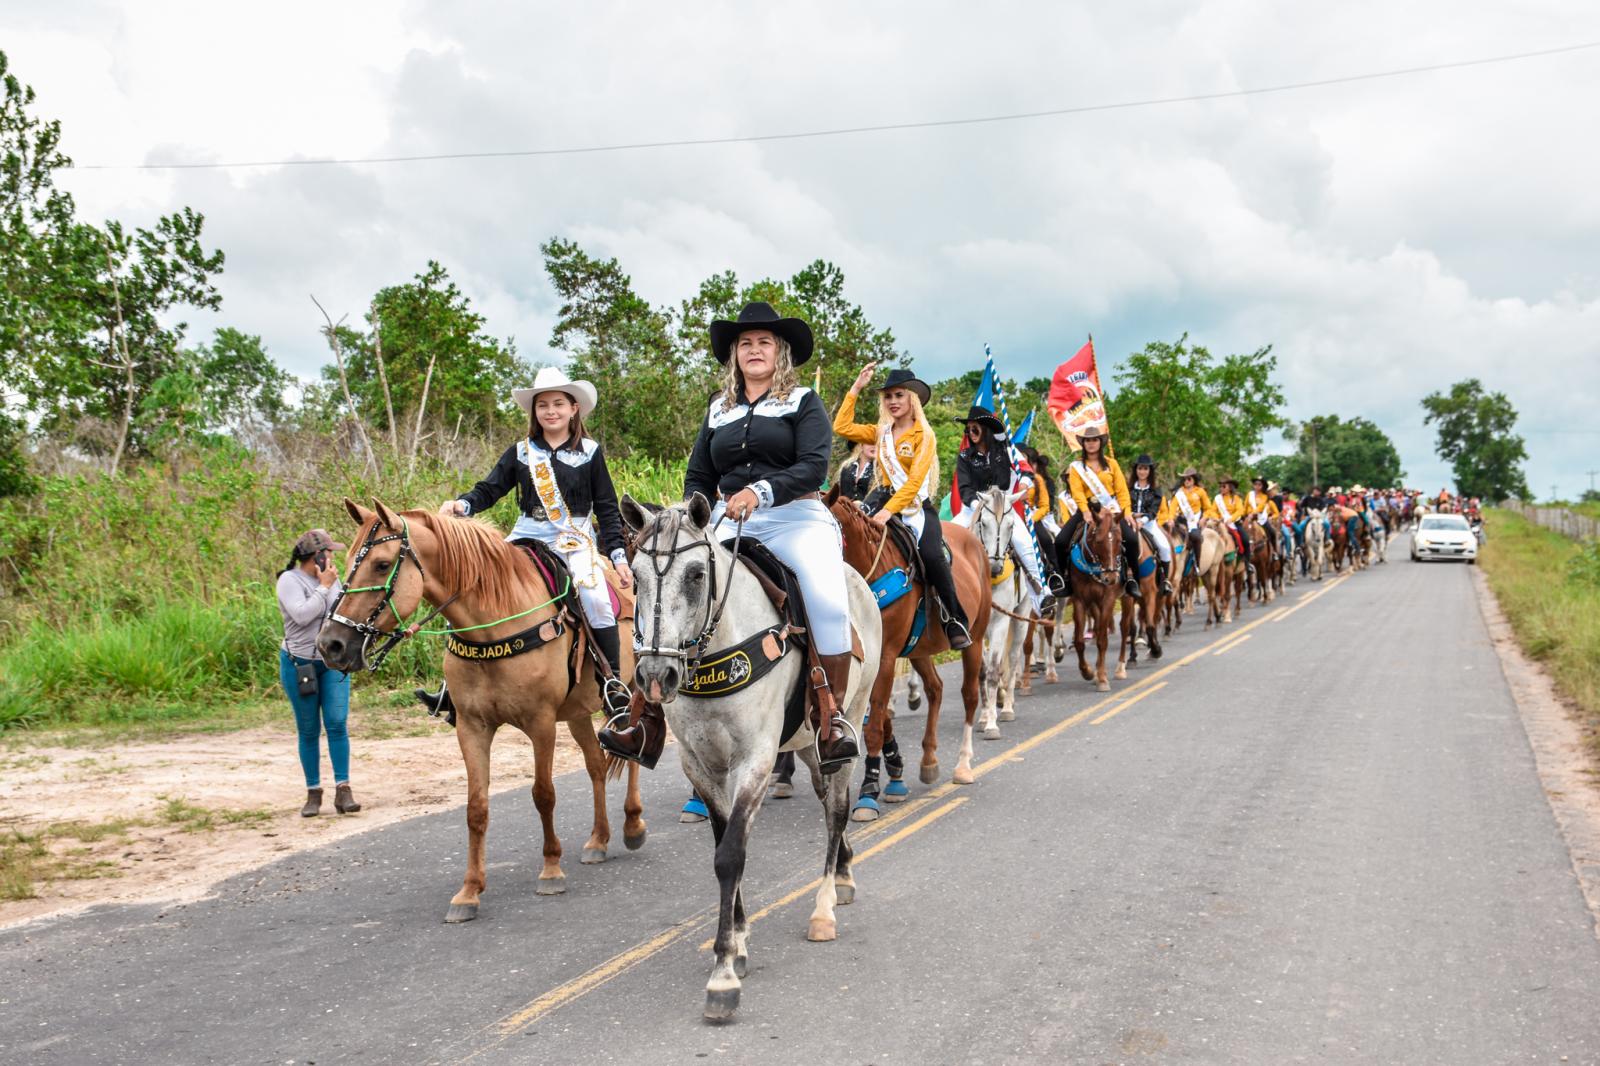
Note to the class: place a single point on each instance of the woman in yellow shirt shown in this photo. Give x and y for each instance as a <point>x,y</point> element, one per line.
<point>1096,481</point>
<point>908,471</point>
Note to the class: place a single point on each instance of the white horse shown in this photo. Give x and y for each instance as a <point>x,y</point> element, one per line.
<point>1316,542</point>
<point>694,600</point>
<point>992,521</point>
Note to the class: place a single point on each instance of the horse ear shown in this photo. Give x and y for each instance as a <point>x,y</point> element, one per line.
<point>358,514</point>
<point>386,516</point>
<point>699,510</point>
<point>1016,498</point>
<point>633,516</point>
<point>832,497</point>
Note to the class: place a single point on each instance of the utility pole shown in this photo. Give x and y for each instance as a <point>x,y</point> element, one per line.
<point>1315,478</point>
<point>1591,474</point>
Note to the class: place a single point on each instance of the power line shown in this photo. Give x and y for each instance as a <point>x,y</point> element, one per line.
<point>845,131</point>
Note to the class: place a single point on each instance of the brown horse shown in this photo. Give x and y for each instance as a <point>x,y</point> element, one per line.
<point>1141,614</point>
<point>1095,594</point>
<point>492,593</point>
<point>1261,559</point>
<point>872,553</point>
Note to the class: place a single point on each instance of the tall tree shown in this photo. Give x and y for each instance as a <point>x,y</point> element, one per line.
<point>1184,406</point>
<point>1475,437</point>
<point>1333,451</point>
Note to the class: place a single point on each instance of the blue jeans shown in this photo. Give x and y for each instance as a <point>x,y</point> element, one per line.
<point>332,700</point>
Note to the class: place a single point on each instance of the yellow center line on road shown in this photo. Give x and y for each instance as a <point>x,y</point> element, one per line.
<point>1226,648</point>
<point>1129,702</point>
<point>580,986</point>
<point>882,845</point>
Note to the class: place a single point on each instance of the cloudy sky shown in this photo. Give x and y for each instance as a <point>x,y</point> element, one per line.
<point>1387,237</point>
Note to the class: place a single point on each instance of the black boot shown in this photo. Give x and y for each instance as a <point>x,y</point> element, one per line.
<point>438,703</point>
<point>613,692</point>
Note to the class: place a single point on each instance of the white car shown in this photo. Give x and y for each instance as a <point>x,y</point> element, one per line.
<point>1444,536</point>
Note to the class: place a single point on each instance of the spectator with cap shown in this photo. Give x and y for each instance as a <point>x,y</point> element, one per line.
<point>320,695</point>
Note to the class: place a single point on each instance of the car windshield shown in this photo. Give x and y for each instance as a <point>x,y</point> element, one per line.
<point>1444,521</point>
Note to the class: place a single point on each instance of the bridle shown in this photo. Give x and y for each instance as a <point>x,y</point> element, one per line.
<point>997,557</point>
<point>691,651</point>
<point>369,629</point>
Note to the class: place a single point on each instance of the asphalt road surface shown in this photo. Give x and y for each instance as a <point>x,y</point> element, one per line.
<point>1323,843</point>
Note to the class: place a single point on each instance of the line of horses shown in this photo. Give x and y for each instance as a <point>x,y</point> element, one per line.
<point>697,603</point>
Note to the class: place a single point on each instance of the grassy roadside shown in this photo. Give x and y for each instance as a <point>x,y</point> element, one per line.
<point>1549,588</point>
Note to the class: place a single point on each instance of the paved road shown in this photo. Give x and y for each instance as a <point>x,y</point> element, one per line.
<point>1325,843</point>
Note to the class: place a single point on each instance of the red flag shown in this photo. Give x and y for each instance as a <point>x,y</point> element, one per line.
<point>1076,401</point>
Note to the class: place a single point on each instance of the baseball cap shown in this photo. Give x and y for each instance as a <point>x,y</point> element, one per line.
<point>315,540</point>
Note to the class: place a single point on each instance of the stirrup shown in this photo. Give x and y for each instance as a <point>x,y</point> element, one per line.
<point>607,731</point>
<point>834,763</point>
<point>611,690</point>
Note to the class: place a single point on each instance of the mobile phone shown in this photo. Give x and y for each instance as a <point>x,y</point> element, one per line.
<point>322,560</point>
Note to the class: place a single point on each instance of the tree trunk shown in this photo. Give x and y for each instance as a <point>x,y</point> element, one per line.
<point>121,331</point>
<point>331,332</point>
<point>416,434</point>
<point>383,379</point>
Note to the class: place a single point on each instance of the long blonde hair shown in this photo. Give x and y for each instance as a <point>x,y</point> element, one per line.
<point>784,379</point>
<point>929,443</point>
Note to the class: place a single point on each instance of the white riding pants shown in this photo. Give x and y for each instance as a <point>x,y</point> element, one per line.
<point>806,537</point>
<point>1163,546</point>
<point>588,574</point>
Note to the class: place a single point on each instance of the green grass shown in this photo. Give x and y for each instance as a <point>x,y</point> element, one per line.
<point>26,859</point>
<point>1549,588</point>
<point>192,818</point>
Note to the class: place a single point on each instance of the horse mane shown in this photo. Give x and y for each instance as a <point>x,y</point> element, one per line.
<point>475,555</point>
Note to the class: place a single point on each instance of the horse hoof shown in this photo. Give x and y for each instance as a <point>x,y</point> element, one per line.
<point>633,843</point>
<point>460,912</point>
<point>1156,652</point>
<point>930,773</point>
<point>1008,715</point>
<point>843,895</point>
<point>721,1003</point>
<point>865,810</point>
<point>741,966</point>
<point>822,930</point>
<point>1103,686</point>
<point>895,791</point>
<point>690,816</point>
<point>550,886</point>
<point>962,776</point>
<point>782,790</point>
<point>991,732</point>
<point>1120,675</point>
<point>593,856</point>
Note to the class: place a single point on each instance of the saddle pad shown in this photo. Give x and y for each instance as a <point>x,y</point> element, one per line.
<point>889,588</point>
<point>1146,567</point>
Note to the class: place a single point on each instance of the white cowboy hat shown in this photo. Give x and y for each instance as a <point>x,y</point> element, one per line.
<point>554,379</point>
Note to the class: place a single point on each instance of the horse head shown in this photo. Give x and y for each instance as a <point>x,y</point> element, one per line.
<point>679,573</point>
<point>1102,537</point>
<point>383,585</point>
<point>992,520</point>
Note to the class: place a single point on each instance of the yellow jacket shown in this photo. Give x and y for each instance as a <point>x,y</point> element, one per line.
<point>1233,505</point>
<point>1199,500</point>
<point>1111,477</point>
<point>907,448</point>
<point>1038,499</point>
<point>1271,509</point>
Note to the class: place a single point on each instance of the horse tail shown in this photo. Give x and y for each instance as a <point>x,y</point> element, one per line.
<point>615,767</point>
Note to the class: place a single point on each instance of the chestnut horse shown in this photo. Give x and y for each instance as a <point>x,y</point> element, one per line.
<point>1141,613</point>
<point>1259,546</point>
<point>492,593</point>
<point>872,553</point>
<point>1095,591</point>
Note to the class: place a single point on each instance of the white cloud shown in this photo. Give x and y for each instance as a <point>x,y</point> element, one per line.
<point>1388,237</point>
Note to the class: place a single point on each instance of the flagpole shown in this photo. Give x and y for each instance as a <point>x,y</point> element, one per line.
<point>1011,450</point>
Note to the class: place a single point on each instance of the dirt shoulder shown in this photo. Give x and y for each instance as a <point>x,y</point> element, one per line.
<point>165,820</point>
<point>1555,729</point>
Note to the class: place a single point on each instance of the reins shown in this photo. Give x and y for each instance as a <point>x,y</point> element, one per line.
<point>692,650</point>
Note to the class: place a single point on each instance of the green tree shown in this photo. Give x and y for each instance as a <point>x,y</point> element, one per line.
<point>425,352</point>
<point>1184,406</point>
<point>230,384</point>
<point>1331,451</point>
<point>1475,437</point>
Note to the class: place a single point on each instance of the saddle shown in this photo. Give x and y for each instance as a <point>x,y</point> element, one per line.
<point>782,587</point>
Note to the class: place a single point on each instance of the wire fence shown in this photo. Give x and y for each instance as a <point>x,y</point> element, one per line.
<point>1559,519</point>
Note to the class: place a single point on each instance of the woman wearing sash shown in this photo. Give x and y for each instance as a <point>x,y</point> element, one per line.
<point>761,457</point>
<point>859,472</point>
<point>1148,508</point>
<point>1191,501</point>
<point>566,500</point>
<point>1231,506</point>
<point>1260,503</point>
<point>908,468</point>
<point>985,463</point>
<point>1097,478</point>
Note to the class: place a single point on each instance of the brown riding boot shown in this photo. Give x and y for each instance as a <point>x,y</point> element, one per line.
<point>313,805</point>
<point>835,747</point>
<point>344,801</point>
<point>645,736</point>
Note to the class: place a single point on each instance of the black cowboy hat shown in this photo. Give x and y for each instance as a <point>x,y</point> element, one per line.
<point>1257,477</point>
<point>901,378</point>
<point>984,416</point>
<point>760,315</point>
<point>1145,460</point>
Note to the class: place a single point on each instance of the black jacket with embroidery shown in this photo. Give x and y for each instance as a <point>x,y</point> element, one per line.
<point>582,476</point>
<point>1146,501</point>
<point>977,471</point>
<point>785,443</point>
<point>853,486</point>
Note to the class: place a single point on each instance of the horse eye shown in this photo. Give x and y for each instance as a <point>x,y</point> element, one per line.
<point>382,566</point>
<point>694,573</point>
